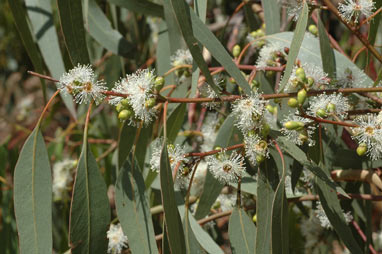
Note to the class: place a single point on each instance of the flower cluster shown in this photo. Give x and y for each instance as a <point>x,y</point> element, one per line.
<point>324,220</point>
<point>256,149</point>
<point>117,239</point>
<point>272,55</point>
<point>206,91</point>
<point>62,178</point>
<point>307,76</point>
<point>141,88</point>
<point>226,168</point>
<point>351,77</point>
<point>81,82</point>
<point>181,57</point>
<point>325,105</point>
<point>351,10</point>
<point>299,130</point>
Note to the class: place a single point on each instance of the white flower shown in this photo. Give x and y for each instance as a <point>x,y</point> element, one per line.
<point>315,72</point>
<point>255,147</point>
<point>82,84</point>
<point>206,91</point>
<point>226,201</point>
<point>294,8</point>
<point>249,112</point>
<point>62,178</point>
<point>324,221</point>
<point>369,133</point>
<point>209,132</point>
<point>117,240</point>
<point>181,57</point>
<point>299,136</point>
<point>333,104</point>
<point>226,168</point>
<point>139,88</point>
<point>354,8</point>
<point>268,55</point>
<point>311,230</point>
<point>351,77</point>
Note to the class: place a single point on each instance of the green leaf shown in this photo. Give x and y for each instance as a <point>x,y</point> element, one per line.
<point>295,45</point>
<point>133,210</point>
<point>33,196</point>
<point>208,39</point>
<point>252,20</point>
<point>141,6</point>
<point>125,142</point>
<point>242,232</point>
<point>192,244</point>
<point>280,226</point>
<point>182,16</point>
<point>333,211</point>
<point>101,30</point>
<point>267,181</point>
<point>271,16</point>
<point>41,18</point>
<point>227,136</point>
<point>20,17</point>
<point>74,33</point>
<point>90,210</point>
<point>327,52</point>
<point>175,122</point>
<point>174,226</point>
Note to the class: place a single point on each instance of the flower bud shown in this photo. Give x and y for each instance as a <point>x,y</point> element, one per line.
<point>150,103</point>
<point>321,113</point>
<point>300,73</point>
<point>251,133</point>
<point>293,103</point>
<point>125,114</point>
<point>254,34</point>
<point>265,130</point>
<point>303,136</point>
<point>330,107</point>
<point>310,82</point>
<point>301,96</point>
<point>313,29</point>
<point>260,158</point>
<point>159,83</point>
<point>254,218</point>
<point>362,149</point>
<point>119,107</point>
<point>293,125</point>
<point>125,102</point>
<point>255,84</point>
<point>236,50</point>
<point>270,108</point>
<point>270,74</point>
<point>170,147</point>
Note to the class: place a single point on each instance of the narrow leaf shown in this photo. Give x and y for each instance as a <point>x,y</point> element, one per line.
<point>295,45</point>
<point>90,210</point>
<point>33,196</point>
<point>125,142</point>
<point>327,52</point>
<point>192,244</point>
<point>141,6</point>
<point>175,122</point>
<point>271,16</point>
<point>74,33</point>
<point>242,232</point>
<point>133,210</point>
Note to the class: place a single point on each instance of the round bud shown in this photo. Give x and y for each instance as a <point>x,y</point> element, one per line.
<point>255,84</point>
<point>125,114</point>
<point>293,103</point>
<point>330,107</point>
<point>187,73</point>
<point>303,136</point>
<point>236,50</point>
<point>310,81</point>
<point>240,89</point>
<point>260,158</point>
<point>217,148</point>
<point>293,125</point>
<point>185,171</point>
<point>254,34</point>
<point>321,113</point>
<point>125,102</point>
<point>270,108</point>
<point>119,107</point>
<point>254,218</point>
<point>232,80</point>
<point>150,103</point>
<point>260,33</point>
<point>158,83</point>
<point>300,73</point>
<point>179,72</point>
<point>265,130</point>
<point>313,29</point>
<point>301,96</point>
<point>263,144</point>
<point>170,147</point>
<point>277,100</point>
<point>270,74</point>
<point>362,149</point>
<point>251,133</point>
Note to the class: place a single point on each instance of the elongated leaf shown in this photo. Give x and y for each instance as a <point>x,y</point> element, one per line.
<point>271,16</point>
<point>175,121</point>
<point>33,196</point>
<point>327,52</point>
<point>182,15</point>
<point>333,211</point>
<point>125,142</point>
<point>242,232</point>
<point>192,244</point>
<point>252,21</point>
<point>20,18</point>
<point>208,39</point>
<point>212,187</point>
<point>174,226</point>
<point>133,210</point>
<point>74,33</point>
<point>41,17</point>
<point>295,45</point>
<point>141,6</point>
<point>90,210</point>
<point>280,225</point>
<point>101,30</point>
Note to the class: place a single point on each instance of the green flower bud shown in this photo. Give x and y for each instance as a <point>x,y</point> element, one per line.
<point>254,34</point>
<point>313,29</point>
<point>330,107</point>
<point>232,80</point>
<point>301,96</point>
<point>321,113</point>
<point>159,83</point>
<point>293,125</point>
<point>187,73</point>
<point>277,100</point>
<point>310,82</point>
<point>263,144</point>
<point>125,114</point>
<point>270,108</point>
<point>254,218</point>
<point>303,136</point>
<point>255,84</point>
<point>260,158</point>
<point>119,107</point>
<point>265,130</point>
<point>125,103</point>
<point>300,73</point>
<point>260,33</point>
<point>293,103</point>
<point>362,149</point>
<point>170,146</point>
<point>270,74</point>
<point>251,133</point>
<point>150,103</point>
<point>236,50</point>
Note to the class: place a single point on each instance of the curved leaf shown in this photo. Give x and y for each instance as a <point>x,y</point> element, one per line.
<point>125,142</point>
<point>327,52</point>
<point>242,232</point>
<point>141,6</point>
<point>133,210</point>
<point>175,122</point>
<point>33,196</point>
<point>90,210</point>
<point>192,244</point>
